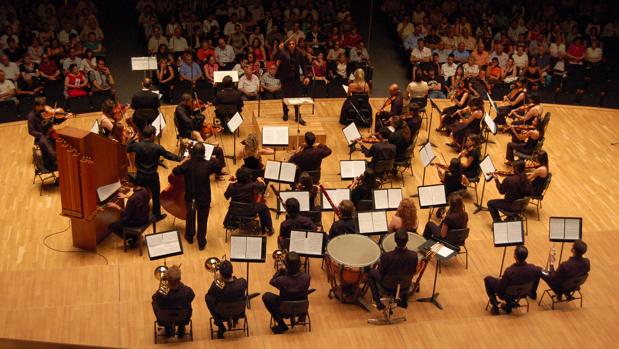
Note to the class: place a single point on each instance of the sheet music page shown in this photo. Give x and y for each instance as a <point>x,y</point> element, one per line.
<point>95,127</point>
<point>492,102</point>
<point>139,63</point>
<point>219,75</point>
<point>208,151</point>
<point>379,219</point>
<point>438,195</point>
<point>302,196</point>
<point>425,196</point>
<point>345,87</point>
<point>238,247</point>
<point>275,135</point>
<point>295,101</point>
<point>313,243</point>
<point>164,243</point>
<point>381,199</point>
<point>351,132</point>
<point>395,196</point>
<point>427,155</point>
<point>159,124</point>
<point>271,170</point>
<point>254,248</point>
<point>104,192</point>
<point>298,242</point>
<point>557,228</point>
<point>572,229</point>
<point>346,169</point>
<point>487,166</point>
<point>444,251</point>
<point>500,233</point>
<point>365,222</point>
<point>235,122</point>
<point>490,123</point>
<point>358,167</point>
<point>514,231</point>
<point>287,172</point>
<point>337,195</point>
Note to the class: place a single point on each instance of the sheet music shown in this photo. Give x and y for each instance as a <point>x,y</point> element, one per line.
<point>490,123</point>
<point>238,247</point>
<point>487,166</point>
<point>492,103</point>
<point>254,248</point>
<point>350,169</point>
<point>271,170</point>
<point>572,229</point>
<point>302,196</point>
<point>219,76</point>
<point>565,228</point>
<point>379,221</point>
<point>433,195</point>
<point>351,132</point>
<point>95,127</point>
<point>287,172</point>
<point>306,242</point>
<point>104,192</point>
<point>337,195</point>
<point>345,87</point>
<point>365,222</point>
<point>557,228</point>
<point>143,63</point>
<point>444,251</point>
<point>514,231</point>
<point>163,244</point>
<point>275,135</point>
<point>159,124</point>
<point>395,196</point>
<point>235,122</point>
<point>427,155</point>
<point>500,234</point>
<point>508,233</point>
<point>381,199</point>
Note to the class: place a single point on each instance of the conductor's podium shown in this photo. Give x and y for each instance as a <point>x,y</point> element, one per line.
<point>312,124</point>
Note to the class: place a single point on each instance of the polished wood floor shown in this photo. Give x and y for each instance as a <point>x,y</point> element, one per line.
<point>104,299</point>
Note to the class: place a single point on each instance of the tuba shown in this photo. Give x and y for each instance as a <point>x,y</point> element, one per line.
<point>278,257</point>
<point>161,275</point>
<point>212,264</point>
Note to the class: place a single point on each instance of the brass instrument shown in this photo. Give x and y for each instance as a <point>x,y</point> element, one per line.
<point>551,257</point>
<point>212,264</point>
<point>279,256</point>
<point>161,275</point>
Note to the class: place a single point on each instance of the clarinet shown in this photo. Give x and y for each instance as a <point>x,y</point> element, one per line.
<point>336,209</point>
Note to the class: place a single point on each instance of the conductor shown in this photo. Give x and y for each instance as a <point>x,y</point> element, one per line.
<point>291,64</point>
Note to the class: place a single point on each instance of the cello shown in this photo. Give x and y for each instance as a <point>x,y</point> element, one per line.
<point>172,198</point>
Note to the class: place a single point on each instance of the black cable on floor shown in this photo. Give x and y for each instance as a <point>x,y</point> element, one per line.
<point>69,251</point>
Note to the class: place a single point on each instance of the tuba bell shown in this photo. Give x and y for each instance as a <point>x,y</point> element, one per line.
<point>161,275</point>
<point>212,264</point>
<point>278,257</point>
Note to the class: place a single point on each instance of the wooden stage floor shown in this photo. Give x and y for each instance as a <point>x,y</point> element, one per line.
<point>104,299</point>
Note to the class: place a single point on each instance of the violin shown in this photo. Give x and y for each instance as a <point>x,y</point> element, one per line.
<point>513,93</point>
<point>206,129</point>
<point>55,113</point>
<point>388,102</point>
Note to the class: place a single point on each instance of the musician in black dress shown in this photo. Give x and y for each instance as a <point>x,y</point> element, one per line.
<point>539,175</point>
<point>470,157</point>
<point>147,154</point>
<point>197,171</point>
<point>291,64</point>
<point>575,266</point>
<point>456,218</point>
<point>233,290</point>
<point>179,296</point>
<point>461,100</point>
<point>518,273</point>
<point>228,101</point>
<point>399,262</point>
<point>513,100</point>
<point>401,137</point>
<point>524,141</point>
<point>362,186</point>
<point>469,124</point>
<point>246,190</point>
<point>40,128</point>
<point>306,183</point>
<point>145,104</point>
<point>293,285</point>
<point>294,221</point>
<point>346,224</point>
<point>514,187</point>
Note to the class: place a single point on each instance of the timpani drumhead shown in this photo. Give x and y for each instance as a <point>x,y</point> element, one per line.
<point>414,241</point>
<point>353,250</point>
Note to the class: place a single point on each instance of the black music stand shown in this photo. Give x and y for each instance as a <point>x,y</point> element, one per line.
<point>432,107</point>
<point>445,253</point>
<point>431,196</point>
<point>163,244</point>
<point>507,234</point>
<point>427,156</point>
<point>486,167</point>
<point>488,127</point>
<point>564,229</point>
<point>248,249</point>
<point>351,133</point>
<point>233,126</point>
<point>377,219</point>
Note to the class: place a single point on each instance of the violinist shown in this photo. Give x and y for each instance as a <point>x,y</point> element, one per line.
<point>381,151</point>
<point>395,103</point>
<point>251,154</point>
<point>524,141</point>
<point>187,119</point>
<point>401,137</point>
<point>405,217</point>
<point>539,175</point>
<point>228,100</point>
<point>40,128</point>
<point>294,221</point>
<point>460,100</point>
<point>470,156</point>
<point>197,171</point>
<point>456,218</point>
<point>245,190</point>
<point>413,119</point>
<point>514,187</point>
<point>513,100</point>
<point>361,188</point>
<point>470,124</point>
<point>452,177</point>
<point>309,156</point>
<point>306,183</point>
<point>346,223</point>
<point>527,113</point>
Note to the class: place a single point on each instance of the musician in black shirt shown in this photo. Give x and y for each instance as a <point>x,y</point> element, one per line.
<point>518,273</point>
<point>293,285</point>
<point>575,266</point>
<point>180,296</point>
<point>145,104</point>
<point>380,151</point>
<point>135,213</point>
<point>197,171</point>
<point>39,129</point>
<point>395,102</point>
<point>294,221</point>
<point>399,262</point>
<point>291,64</point>
<point>346,224</point>
<point>185,119</point>
<point>309,156</point>
<point>147,154</point>
<point>514,187</point>
<point>228,101</point>
<point>246,190</point>
<point>233,290</point>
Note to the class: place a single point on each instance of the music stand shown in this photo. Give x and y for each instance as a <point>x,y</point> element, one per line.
<point>488,127</point>
<point>427,156</point>
<point>233,126</point>
<point>208,149</point>
<point>432,107</point>
<point>351,169</point>
<point>163,244</point>
<point>337,195</point>
<point>352,134</point>
<point>431,196</point>
<point>144,64</point>
<point>387,199</point>
<point>297,103</point>
<point>273,136</point>
<point>278,171</point>
<point>564,229</point>
<point>248,249</point>
<point>444,252</point>
<point>308,244</point>
<point>302,196</point>
<point>507,234</point>
<point>159,123</point>
<point>487,168</point>
<point>219,75</point>
<point>372,222</point>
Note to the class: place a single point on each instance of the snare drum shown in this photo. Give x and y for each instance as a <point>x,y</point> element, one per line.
<point>414,241</point>
<point>348,260</point>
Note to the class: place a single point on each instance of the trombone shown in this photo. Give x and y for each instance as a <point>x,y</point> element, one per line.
<point>278,257</point>
<point>212,264</point>
<point>161,274</point>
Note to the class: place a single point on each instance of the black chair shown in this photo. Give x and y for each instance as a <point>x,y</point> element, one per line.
<point>174,316</point>
<point>457,238</point>
<point>78,105</point>
<point>315,216</point>
<point>8,111</point>
<point>231,313</point>
<point>242,218</point>
<point>533,154</point>
<point>295,312</point>
<point>570,287</point>
<point>384,171</point>
<point>474,183</point>
<point>518,213</point>
<point>514,294</point>
<point>537,199</point>
<point>40,171</point>
<point>391,287</point>
<point>407,163</point>
<point>358,110</point>
<point>421,102</point>
<point>137,232</point>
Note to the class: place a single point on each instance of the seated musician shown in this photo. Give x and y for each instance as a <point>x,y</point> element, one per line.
<point>294,221</point>
<point>395,102</point>
<point>518,273</point>
<point>453,178</point>
<point>228,100</point>
<point>293,285</point>
<point>134,214</point>
<point>306,183</point>
<point>358,87</point>
<point>362,186</point>
<point>405,217</point>
<point>234,290</point>
<point>251,155</point>
<point>456,218</point>
<point>460,99</point>
<point>309,155</point>
<point>514,187</point>
<point>399,262</point>
<point>381,151</point>
<point>413,119</point>
<point>524,141</point>
<point>180,296</point>
<point>346,224</point>
<point>539,175</point>
<point>107,121</point>
<point>188,120</point>
<point>531,111</point>
<point>469,123</point>
<point>245,190</point>
<point>513,100</point>
<point>40,128</point>
<point>470,157</point>
<point>401,137</point>
<point>575,266</point>
<point>145,104</point>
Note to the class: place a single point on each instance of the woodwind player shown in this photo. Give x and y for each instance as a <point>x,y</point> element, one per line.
<point>346,224</point>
